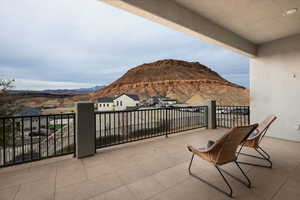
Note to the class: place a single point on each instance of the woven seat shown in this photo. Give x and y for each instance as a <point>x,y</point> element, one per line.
<point>254,142</point>
<point>223,151</point>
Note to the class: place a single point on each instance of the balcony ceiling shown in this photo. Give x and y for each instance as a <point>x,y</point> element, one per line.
<point>258,21</point>
<point>239,25</point>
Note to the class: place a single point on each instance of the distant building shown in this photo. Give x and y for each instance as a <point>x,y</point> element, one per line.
<point>163,100</point>
<point>124,101</point>
<point>119,102</point>
<point>167,101</point>
<point>104,104</point>
<point>156,99</point>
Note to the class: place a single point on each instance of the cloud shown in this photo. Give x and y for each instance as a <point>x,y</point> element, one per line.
<point>25,84</point>
<point>86,41</point>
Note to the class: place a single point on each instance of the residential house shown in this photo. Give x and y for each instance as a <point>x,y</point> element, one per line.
<point>119,102</point>
<point>124,101</point>
<point>104,104</point>
<point>167,101</point>
<point>159,100</point>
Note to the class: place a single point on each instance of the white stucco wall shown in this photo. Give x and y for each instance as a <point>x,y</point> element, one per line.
<point>275,86</point>
<point>109,106</point>
<point>126,102</point>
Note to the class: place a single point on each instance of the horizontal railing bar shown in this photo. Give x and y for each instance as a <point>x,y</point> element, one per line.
<point>36,116</point>
<point>127,111</point>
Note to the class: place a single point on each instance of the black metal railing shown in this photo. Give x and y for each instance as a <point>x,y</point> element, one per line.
<point>117,127</point>
<point>30,138</point>
<point>232,116</point>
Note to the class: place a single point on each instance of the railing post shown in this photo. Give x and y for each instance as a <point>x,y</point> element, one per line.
<point>211,114</point>
<point>248,115</point>
<point>85,127</point>
<point>167,123</point>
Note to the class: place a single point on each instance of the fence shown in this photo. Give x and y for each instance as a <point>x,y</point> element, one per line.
<point>30,138</point>
<point>119,127</point>
<point>232,116</point>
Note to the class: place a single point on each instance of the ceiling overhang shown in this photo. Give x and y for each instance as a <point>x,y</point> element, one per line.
<point>237,25</point>
<point>173,15</point>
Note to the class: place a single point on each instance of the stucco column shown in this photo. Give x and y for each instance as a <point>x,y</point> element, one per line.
<point>211,114</point>
<point>85,129</point>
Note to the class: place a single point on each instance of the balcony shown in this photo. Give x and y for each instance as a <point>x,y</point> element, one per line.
<point>154,168</point>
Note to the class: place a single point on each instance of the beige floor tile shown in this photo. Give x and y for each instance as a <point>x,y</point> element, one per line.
<point>9,193</point>
<point>91,161</point>
<point>153,169</point>
<point>26,176</point>
<point>69,167</point>
<point>172,176</point>
<point>14,178</point>
<point>15,169</point>
<point>38,190</point>
<point>67,179</point>
<point>146,188</point>
<point>43,171</point>
<point>295,174</point>
<point>88,189</point>
<point>290,190</point>
<point>265,182</point>
<point>189,189</point>
<point>98,170</point>
<point>70,172</point>
<point>132,173</point>
<point>52,161</point>
<point>122,193</point>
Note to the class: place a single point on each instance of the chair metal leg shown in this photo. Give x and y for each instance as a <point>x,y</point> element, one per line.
<point>208,183</point>
<point>248,180</point>
<point>264,156</point>
<point>267,155</point>
<point>248,184</point>
<point>190,165</point>
<point>225,180</point>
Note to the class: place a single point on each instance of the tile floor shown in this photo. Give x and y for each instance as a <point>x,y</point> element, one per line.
<point>152,169</point>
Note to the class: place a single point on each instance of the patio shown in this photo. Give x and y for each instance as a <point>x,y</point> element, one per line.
<point>152,169</point>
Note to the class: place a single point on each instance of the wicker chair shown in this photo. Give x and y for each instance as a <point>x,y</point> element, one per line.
<point>223,151</point>
<point>254,142</point>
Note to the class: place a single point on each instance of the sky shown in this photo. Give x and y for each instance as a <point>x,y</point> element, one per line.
<point>82,43</point>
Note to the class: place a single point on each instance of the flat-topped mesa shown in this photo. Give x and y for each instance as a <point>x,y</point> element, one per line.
<point>189,82</point>
<point>176,79</point>
<point>169,69</point>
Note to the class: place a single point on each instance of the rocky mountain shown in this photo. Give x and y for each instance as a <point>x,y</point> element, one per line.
<point>189,82</point>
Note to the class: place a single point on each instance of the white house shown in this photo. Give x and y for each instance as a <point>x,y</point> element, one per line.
<point>124,101</point>
<point>167,101</point>
<point>104,104</point>
<point>163,100</point>
<point>120,102</point>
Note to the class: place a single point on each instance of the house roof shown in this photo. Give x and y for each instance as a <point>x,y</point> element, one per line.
<point>132,96</point>
<point>105,100</point>
<point>167,99</point>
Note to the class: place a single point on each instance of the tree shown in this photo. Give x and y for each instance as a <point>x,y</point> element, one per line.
<point>8,107</point>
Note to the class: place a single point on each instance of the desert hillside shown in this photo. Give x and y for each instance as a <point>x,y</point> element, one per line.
<point>188,82</point>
